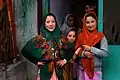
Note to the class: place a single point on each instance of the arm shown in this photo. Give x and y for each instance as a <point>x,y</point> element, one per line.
<point>31,52</point>
<point>103,51</point>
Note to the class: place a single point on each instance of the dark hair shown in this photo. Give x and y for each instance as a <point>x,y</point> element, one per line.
<point>92,15</point>
<point>73,29</point>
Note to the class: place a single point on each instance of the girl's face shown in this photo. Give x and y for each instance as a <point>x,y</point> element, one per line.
<point>91,23</point>
<point>70,21</point>
<point>71,36</point>
<point>50,23</point>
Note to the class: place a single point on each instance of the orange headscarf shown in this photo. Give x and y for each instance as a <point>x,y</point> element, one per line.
<point>90,39</point>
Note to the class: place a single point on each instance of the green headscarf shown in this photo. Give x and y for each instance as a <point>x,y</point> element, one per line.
<point>49,35</point>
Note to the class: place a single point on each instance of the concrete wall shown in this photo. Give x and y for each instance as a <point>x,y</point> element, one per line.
<point>15,71</point>
<point>25,20</point>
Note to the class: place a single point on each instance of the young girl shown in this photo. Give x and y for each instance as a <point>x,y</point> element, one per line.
<point>45,50</point>
<point>68,22</point>
<point>91,46</point>
<point>70,34</point>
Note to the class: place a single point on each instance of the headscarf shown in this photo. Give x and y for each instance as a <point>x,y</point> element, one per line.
<point>65,33</point>
<point>65,23</point>
<point>67,30</point>
<point>50,35</point>
<point>90,39</point>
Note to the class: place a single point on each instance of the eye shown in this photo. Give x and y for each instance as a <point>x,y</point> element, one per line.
<point>74,36</point>
<point>69,35</point>
<point>53,21</point>
<point>70,20</point>
<point>47,21</point>
<point>87,22</point>
<point>92,21</point>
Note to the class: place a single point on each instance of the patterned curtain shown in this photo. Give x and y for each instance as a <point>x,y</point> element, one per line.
<point>6,42</point>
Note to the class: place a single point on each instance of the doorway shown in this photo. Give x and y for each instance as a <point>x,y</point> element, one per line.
<point>77,7</point>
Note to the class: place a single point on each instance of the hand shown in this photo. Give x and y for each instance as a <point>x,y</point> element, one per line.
<point>88,54</point>
<point>60,63</point>
<point>86,47</point>
<point>40,63</point>
<point>78,50</point>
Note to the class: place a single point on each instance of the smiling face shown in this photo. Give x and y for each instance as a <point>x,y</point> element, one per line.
<point>50,23</point>
<point>71,36</point>
<point>91,23</point>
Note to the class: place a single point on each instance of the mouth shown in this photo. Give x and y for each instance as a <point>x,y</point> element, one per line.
<point>71,41</point>
<point>50,27</point>
<point>90,26</point>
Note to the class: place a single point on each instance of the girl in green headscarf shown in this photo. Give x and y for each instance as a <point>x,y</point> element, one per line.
<point>46,50</point>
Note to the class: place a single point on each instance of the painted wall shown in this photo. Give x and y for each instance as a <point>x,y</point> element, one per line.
<point>111,64</point>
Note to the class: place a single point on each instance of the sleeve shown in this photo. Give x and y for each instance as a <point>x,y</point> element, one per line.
<point>103,51</point>
<point>32,53</point>
<point>69,54</point>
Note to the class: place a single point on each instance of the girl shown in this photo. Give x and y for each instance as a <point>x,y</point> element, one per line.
<point>70,34</point>
<point>68,22</point>
<point>45,50</point>
<point>92,46</point>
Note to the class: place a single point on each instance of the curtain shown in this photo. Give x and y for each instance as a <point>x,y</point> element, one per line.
<point>6,42</point>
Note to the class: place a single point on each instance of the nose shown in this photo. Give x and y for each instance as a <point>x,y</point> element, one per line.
<point>72,38</point>
<point>50,23</point>
<point>90,24</point>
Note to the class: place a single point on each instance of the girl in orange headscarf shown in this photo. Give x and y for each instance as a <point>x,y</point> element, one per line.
<point>91,45</point>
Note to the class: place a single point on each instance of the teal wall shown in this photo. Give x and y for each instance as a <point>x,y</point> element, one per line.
<point>111,64</point>
<point>100,15</point>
